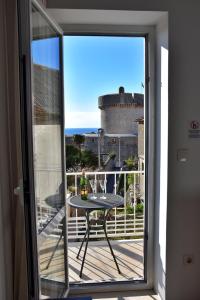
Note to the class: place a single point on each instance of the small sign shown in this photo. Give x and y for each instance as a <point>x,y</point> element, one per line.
<point>194,125</point>
<point>194,131</point>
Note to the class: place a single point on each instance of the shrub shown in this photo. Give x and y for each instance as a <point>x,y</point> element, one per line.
<point>132,163</point>
<point>139,208</point>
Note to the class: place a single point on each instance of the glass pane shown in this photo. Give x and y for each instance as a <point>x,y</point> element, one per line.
<point>47,148</point>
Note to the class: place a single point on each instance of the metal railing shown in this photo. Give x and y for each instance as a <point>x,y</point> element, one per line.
<point>124,221</point>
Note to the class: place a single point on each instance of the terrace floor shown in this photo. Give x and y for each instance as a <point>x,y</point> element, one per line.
<point>99,264</point>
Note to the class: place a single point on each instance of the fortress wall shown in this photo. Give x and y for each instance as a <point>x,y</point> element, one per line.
<point>121,118</point>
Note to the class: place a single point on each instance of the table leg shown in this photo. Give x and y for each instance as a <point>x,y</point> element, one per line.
<point>111,250</point>
<point>87,239</point>
<point>86,232</point>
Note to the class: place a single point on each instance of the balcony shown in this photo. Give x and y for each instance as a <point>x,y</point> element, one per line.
<point>125,228</point>
<point>99,265</point>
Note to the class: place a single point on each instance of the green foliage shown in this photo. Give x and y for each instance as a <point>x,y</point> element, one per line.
<point>79,139</point>
<point>129,209</point>
<point>76,159</point>
<point>138,209</point>
<point>72,157</point>
<point>89,159</point>
<point>132,163</point>
<point>130,179</point>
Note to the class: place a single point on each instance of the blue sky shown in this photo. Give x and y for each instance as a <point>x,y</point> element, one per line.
<point>93,66</point>
<point>46,52</point>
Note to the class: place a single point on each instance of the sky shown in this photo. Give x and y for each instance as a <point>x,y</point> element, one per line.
<point>46,52</point>
<point>93,66</point>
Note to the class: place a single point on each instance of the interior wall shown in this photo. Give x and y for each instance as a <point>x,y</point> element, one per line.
<point>183,178</point>
<point>183,203</point>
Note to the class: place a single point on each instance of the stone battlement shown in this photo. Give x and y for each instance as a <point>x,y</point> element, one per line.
<point>120,99</point>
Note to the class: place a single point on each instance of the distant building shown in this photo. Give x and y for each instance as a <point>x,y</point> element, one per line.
<point>46,94</point>
<point>122,145</point>
<point>119,113</point>
<point>46,134</point>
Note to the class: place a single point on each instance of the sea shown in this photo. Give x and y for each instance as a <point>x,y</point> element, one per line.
<point>79,130</point>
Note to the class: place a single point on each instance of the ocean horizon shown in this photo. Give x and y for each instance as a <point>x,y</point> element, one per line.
<point>79,130</point>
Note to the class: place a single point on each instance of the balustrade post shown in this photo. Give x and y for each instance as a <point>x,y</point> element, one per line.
<point>134,207</point>
<point>125,202</point>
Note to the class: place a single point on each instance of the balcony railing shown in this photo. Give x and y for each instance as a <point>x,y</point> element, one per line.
<point>124,221</point>
<point>125,225</point>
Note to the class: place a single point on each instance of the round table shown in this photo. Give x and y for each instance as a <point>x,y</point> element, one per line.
<point>90,205</point>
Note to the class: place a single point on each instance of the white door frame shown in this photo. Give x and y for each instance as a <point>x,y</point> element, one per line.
<point>149,33</point>
<point>25,63</point>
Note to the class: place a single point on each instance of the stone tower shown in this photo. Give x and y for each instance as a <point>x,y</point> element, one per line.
<point>120,111</point>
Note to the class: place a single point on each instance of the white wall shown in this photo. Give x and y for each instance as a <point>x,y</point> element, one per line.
<point>184,188</point>
<point>183,203</point>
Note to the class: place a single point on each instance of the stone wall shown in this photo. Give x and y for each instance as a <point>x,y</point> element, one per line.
<point>121,118</point>
<point>120,111</point>
<point>128,146</point>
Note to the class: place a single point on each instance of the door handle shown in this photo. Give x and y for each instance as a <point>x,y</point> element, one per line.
<point>17,191</point>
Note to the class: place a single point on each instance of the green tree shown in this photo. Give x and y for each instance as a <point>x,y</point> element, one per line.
<point>75,159</point>
<point>89,159</point>
<point>79,140</point>
<point>72,157</point>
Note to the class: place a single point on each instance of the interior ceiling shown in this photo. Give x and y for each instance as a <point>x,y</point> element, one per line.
<point>105,17</point>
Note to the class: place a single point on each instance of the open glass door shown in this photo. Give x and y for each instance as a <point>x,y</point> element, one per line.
<point>43,151</point>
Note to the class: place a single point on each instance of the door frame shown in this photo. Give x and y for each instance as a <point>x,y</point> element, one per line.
<point>24,8</point>
<point>148,32</point>
<point>25,65</point>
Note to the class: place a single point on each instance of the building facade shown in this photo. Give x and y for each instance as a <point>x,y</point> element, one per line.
<point>120,111</point>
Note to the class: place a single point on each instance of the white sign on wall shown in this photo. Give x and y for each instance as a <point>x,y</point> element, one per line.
<point>194,130</point>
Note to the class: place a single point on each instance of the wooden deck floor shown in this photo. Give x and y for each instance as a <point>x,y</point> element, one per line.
<point>99,264</point>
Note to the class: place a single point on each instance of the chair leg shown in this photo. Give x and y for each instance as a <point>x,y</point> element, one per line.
<point>52,255</point>
<point>86,245</point>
